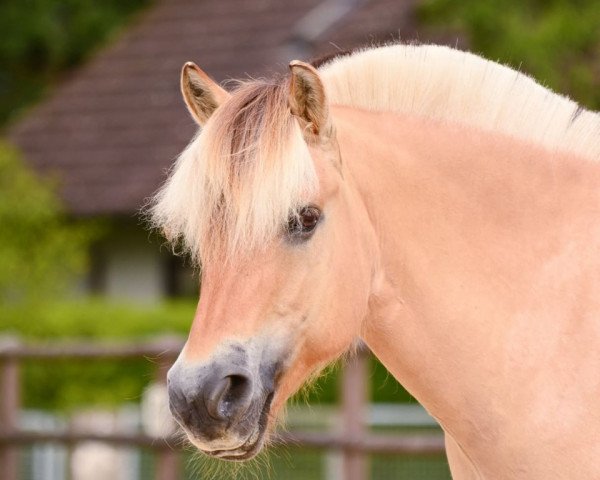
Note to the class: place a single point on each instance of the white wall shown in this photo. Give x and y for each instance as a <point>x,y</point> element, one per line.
<point>132,266</point>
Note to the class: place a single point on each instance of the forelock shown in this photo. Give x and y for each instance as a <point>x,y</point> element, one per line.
<point>233,188</point>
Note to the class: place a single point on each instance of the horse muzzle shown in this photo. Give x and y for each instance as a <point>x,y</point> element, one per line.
<point>223,405</point>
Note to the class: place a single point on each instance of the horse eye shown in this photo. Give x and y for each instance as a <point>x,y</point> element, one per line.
<point>303,223</point>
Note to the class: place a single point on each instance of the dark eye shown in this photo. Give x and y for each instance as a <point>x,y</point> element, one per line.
<point>302,224</point>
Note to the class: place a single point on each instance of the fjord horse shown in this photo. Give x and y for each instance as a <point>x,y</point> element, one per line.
<point>442,208</point>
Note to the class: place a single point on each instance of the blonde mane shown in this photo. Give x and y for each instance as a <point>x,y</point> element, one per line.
<point>450,85</point>
<point>237,183</point>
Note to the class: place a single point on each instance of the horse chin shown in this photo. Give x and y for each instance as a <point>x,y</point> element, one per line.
<point>251,446</point>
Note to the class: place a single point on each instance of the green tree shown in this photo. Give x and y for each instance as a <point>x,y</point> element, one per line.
<point>40,250</point>
<point>42,39</point>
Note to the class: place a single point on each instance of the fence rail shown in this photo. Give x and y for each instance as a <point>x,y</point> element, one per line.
<point>413,445</point>
<point>354,442</point>
<point>165,348</point>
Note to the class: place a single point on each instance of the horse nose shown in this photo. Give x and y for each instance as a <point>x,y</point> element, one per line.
<point>208,402</point>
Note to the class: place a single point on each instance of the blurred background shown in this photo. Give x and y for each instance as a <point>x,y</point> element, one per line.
<point>93,306</point>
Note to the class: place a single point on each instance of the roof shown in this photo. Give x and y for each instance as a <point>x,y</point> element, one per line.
<point>113,129</point>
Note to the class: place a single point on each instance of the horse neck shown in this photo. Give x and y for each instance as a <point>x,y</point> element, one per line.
<point>480,239</point>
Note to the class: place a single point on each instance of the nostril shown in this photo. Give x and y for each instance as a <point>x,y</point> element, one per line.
<point>228,397</point>
<point>234,397</point>
<point>238,386</point>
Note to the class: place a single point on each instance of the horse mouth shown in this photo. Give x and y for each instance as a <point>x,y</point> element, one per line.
<point>254,443</point>
<point>239,454</point>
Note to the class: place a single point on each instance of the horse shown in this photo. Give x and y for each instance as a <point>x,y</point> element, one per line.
<point>439,207</point>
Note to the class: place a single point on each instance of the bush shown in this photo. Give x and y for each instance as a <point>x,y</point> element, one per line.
<point>40,250</point>
<point>66,384</point>
<point>98,319</point>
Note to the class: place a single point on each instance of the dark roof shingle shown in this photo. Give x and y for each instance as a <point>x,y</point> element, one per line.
<point>111,131</point>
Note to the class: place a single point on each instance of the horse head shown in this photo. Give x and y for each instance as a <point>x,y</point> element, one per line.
<point>262,201</point>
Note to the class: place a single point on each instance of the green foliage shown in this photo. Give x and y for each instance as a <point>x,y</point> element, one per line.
<point>67,384</point>
<point>98,319</point>
<point>556,41</point>
<point>39,250</point>
<point>42,39</point>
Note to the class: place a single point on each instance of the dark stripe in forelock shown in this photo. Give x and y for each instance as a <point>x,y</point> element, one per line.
<point>257,100</point>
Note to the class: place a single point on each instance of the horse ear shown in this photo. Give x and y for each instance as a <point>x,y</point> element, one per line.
<point>201,94</point>
<point>307,98</point>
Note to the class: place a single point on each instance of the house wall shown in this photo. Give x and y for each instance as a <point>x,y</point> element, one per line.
<point>131,264</point>
<point>128,264</point>
<point>134,271</point>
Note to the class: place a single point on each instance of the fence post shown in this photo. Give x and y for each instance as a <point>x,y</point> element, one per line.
<point>9,407</point>
<point>354,410</point>
<point>167,461</point>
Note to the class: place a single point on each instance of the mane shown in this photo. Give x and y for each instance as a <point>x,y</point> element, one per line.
<point>238,182</point>
<point>445,84</point>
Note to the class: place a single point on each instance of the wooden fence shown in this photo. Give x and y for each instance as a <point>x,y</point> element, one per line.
<point>354,442</point>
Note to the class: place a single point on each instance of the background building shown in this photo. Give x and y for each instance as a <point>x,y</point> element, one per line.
<point>109,133</point>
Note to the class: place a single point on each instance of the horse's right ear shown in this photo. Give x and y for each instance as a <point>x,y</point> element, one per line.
<point>201,94</point>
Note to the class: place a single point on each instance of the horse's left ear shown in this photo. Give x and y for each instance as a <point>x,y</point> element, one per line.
<point>307,98</point>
